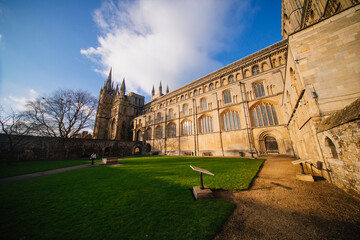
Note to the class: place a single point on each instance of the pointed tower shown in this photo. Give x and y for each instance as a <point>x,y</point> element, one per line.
<point>103,113</point>
<point>108,85</point>
<point>123,88</point>
<point>167,89</point>
<point>117,89</point>
<point>153,91</point>
<point>160,89</point>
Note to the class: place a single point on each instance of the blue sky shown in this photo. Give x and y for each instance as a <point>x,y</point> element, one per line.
<point>46,45</point>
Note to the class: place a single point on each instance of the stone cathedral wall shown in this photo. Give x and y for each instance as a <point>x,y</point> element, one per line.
<point>31,148</point>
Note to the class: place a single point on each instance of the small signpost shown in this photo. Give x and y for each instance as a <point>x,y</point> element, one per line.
<point>201,192</point>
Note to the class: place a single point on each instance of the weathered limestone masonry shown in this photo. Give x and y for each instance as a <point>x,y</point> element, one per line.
<point>339,137</point>
<point>323,76</point>
<point>44,148</point>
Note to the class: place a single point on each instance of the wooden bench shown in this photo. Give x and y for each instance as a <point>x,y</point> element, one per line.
<point>303,176</point>
<point>110,161</point>
<point>301,162</point>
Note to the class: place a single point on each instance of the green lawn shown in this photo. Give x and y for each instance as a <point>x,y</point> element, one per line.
<point>146,198</point>
<point>19,168</point>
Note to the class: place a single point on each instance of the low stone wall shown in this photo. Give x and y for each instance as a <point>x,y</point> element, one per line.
<point>30,148</point>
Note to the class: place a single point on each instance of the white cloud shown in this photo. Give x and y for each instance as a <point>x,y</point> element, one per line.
<point>160,40</point>
<point>0,37</point>
<point>18,103</point>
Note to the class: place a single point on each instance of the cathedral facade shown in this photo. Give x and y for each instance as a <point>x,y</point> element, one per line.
<point>280,100</point>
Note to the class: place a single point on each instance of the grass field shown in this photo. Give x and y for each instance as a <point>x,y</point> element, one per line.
<point>19,168</point>
<point>146,198</point>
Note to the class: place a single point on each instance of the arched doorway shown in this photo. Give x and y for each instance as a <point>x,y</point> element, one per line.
<point>137,150</point>
<point>271,145</point>
<point>147,148</point>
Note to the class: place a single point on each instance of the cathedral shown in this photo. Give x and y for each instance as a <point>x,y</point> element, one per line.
<point>298,97</point>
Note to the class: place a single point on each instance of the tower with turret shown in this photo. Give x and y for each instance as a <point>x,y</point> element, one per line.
<point>115,111</point>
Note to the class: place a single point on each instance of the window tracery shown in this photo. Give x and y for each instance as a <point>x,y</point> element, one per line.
<point>171,130</point>
<point>186,128</point>
<point>206,124</point>
<point>264,114</point>
<point>227,96</point>
<point>230,120</point>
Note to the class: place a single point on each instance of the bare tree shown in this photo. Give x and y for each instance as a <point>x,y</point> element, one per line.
<point>15,127</point>
<point>63,114</point>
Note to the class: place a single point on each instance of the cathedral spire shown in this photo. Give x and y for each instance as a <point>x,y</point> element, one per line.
<point>123,88</point>
<point>153,91</point>
<point>160,89</point>
<point>117,89</point>
<point>108,85</point>
<point>167,89</point>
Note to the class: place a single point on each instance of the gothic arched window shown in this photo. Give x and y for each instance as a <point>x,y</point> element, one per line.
<point>211,86</point>
<point>255,69</point>
<point>186,128</point>
<point>186,109</point>
<point>147,134</point>
<point>158,132</point>
<point>227,96</point>
<point>230,120</point>
<point>203,103</point>
<point>171,130</point>
<point>259,89</point>
<point>158,117</point>
<point>139,136</point>
<point>264,114</point>
<point>332,147</point>
<point>206,124</point>
<point>171,113</point>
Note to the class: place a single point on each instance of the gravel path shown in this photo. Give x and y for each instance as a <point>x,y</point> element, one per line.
<point>277,206</point>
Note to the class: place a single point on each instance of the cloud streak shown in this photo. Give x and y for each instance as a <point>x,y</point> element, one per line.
<point>161,40</point>
<point>18,104</point>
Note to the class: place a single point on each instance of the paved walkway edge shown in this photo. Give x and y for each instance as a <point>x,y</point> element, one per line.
<point>39,174</point>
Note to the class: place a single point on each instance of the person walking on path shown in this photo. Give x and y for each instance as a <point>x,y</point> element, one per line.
<point>92,157</point>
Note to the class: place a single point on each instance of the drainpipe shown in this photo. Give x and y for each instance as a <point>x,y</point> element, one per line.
<point>218,111</point>
<point>179,129</point>
<point>246,119</point>
<point>197,127</point>
<point>152,132</point>
<point>315,97</point>
<point>194,129</point>
<point>165,131</point>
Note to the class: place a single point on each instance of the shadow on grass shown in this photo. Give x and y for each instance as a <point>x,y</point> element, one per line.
<point>256,175</point>
<point>134,201</point>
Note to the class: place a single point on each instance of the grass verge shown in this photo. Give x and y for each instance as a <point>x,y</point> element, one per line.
<point>146,198</point>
